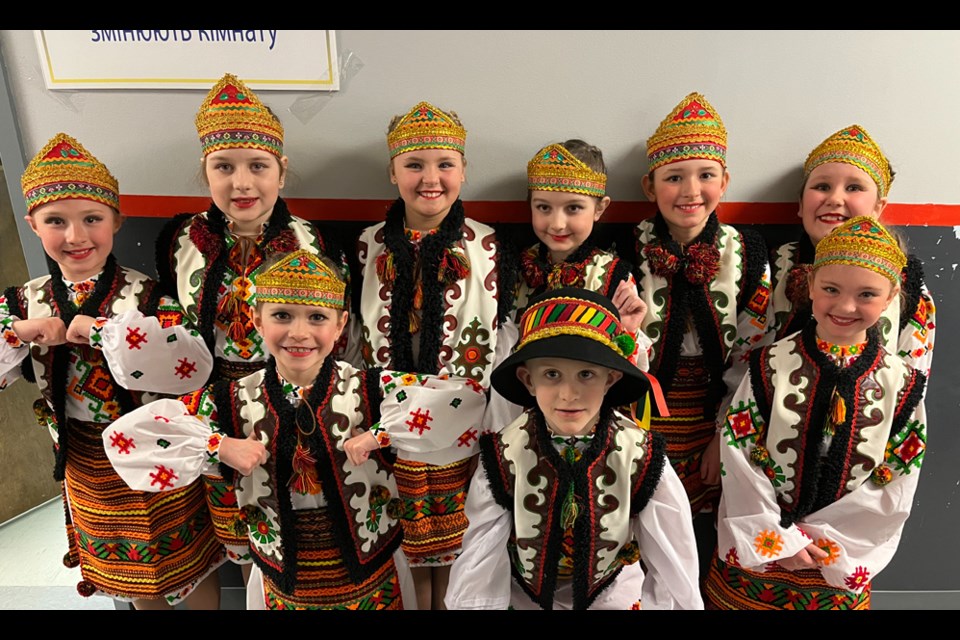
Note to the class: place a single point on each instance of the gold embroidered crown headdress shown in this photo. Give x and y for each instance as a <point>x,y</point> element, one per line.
<point>426,127</point>
<point>853,145</point>
<point>692,130</point>
<point>301,277</point>
<point>554,168</point>
<point>64,169</point>
<point>863,242</point>
<point>232,117</point>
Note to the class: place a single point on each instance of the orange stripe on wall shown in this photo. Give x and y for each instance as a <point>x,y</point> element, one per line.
<point>934,215</point>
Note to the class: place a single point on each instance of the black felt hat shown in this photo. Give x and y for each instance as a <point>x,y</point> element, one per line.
<point>576,324</point>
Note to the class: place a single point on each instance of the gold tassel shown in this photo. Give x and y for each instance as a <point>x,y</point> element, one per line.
<point>838,414</point>
<point>568,516</point>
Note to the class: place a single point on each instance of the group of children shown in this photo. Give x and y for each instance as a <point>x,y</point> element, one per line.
<point>667,424</point>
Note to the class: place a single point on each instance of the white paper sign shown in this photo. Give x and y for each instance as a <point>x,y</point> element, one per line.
<point>188,58</point>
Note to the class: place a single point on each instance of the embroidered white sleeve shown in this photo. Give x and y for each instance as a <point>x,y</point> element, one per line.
<point>160,446</point>
<point>144,356</point>
<point>424,413</point>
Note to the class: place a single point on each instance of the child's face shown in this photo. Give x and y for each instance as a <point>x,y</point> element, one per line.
<point>686,193</point>
<point>76,234</point>
<point>429,182</point>
<point>563,220</point>
<point>245,185</point>
<point>835,192</point>
<point>848,300</point>
<point>569,392</point>
<point>299,336</point>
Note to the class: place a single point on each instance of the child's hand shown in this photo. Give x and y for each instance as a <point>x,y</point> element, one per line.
<point>243,454</point>
<point>45,331</point>
<point>710,462</point>
<point>807,558</point>
<point>358,448</point>
<point>631,307</point>
<point>79,330</point>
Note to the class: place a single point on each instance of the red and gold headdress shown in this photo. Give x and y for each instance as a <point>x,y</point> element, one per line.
<point>554,168</point>
<point>853,145</point>
<point>426,127</point>
<point>301,277</point>
<point>232,117</point>
<point>64,169</point>
<point>692,130</point>
<point>863,242</point>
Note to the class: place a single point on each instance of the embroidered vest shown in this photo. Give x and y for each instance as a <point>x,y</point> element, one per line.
<point>358,497</point>
<point>469,336</point>
<point>614,479</point>
<point>130,290</point>
<point>185,267</point>
<point>793,384</point>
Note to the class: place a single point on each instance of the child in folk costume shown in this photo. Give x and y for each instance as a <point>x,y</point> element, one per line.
<point>571,493</point>
<point>706,286</point>
<point>95,336</point>
<point>847,175</point>
<point>321,512</point>
<point>209,260</point>
<point>567,192</point>
<point>824,441</point>
<point>435,288</point>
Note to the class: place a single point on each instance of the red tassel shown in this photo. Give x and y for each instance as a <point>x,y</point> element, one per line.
<point>386,270</point>
<point>304,479</point>
<point>453,267</point>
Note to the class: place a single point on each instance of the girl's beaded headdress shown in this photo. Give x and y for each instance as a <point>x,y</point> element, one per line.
<point>232,117</point>
<point>692,130</point>
<point>426,127</point>
<point>863,242</point>
<point>64,169</point>
<point>301,277</point>
<point>556,169</point>
<point>853,145</point>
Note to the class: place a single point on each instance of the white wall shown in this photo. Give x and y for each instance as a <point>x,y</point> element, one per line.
<point>779,93</point>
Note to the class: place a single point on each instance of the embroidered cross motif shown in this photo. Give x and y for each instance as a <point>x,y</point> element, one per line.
<point>420,420</point>
<point>467,437</point>
<point>163,477</point>
<point>122,443</point>
<point>135,338</point>
<point>768,543</point>
<point>185,368</point>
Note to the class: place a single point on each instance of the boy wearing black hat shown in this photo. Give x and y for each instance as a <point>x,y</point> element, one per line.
<point>572,492</point>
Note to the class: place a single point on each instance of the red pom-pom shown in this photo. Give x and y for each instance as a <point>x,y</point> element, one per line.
<point>85,588</point>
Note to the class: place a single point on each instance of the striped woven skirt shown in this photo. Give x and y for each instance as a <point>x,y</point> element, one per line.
<point>731,587</point>
<point>132,544</point>
<point>689,430</point>
<point>433,518</point>
<point>221,499</point>
<point>322,581</point>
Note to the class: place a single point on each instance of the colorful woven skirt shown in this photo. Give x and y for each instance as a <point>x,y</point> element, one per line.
<point>433,518</point>
<point>732,587</point>
<point>132,544</point>
<point>221,499</point>
<point>322,581</point>
<point>689,430</point>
